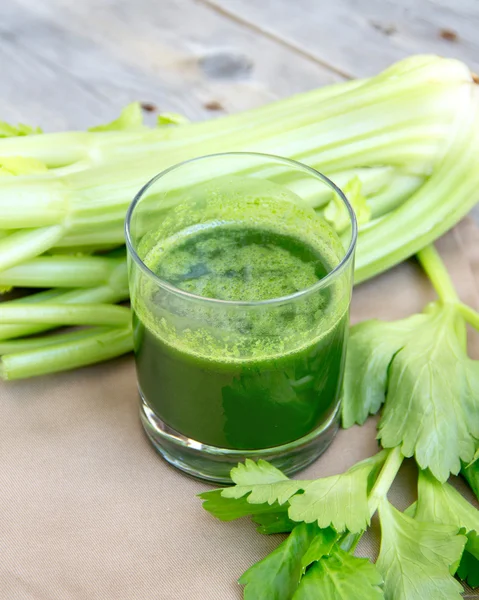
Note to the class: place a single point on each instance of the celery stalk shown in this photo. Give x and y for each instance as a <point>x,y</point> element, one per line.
<point>86,296</point>
<point>65,271</point>
<point>18,207</point>
<point>26,244</point>
<point>49,313</point>
<point>93,147</point>
<point>33,343</point>
<point>410,134</point>
<point>67,355</point>
<point>440,203</point>
<point>400,120</point>
<point>400,188</point>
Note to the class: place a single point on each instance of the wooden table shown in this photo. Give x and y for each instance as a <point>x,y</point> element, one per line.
<point>70,64</point>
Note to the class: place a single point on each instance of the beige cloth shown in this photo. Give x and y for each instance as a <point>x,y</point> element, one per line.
<point>89,511</point>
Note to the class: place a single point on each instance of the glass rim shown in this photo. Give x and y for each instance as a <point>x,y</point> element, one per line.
<point>331,276</point>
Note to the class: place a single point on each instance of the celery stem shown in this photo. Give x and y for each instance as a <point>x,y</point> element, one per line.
<point>69,355</point>
<point>437,273</point>
<point>469,314</point>
<point>386,477</point>
<point>35,342</point>
<point>63,271</point>
<point>27,244</point>
<point>65,314</point>
<point>380,490</point>
<point>85,296</point>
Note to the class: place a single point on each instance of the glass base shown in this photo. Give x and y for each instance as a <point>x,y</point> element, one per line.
<point>214,464</point>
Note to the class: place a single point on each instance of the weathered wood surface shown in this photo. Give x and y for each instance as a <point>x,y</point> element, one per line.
<point>357,38</point>
<point>71,64</point>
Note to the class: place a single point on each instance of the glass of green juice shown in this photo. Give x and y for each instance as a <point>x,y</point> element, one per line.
<point>240,293</point>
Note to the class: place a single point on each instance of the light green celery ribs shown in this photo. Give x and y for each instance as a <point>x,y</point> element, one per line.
<point>403,144</point>
<point>419,117</point>
<point>97,346</point>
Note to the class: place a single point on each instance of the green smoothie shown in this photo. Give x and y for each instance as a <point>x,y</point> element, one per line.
<point>251,375</point>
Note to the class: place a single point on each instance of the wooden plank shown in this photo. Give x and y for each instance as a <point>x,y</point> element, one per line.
<point>71,64</point>
<point>361,37</point>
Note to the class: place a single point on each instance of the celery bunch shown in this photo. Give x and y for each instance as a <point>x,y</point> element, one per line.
<point>403,145</point>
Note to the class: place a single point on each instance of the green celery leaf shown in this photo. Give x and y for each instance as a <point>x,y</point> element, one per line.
<point>441,503</point>
<point>7,130</point>
<point>416,557</point>
<point>341,576</point>
<point>130,117</point>
<point>277,576</point>
<point>420,365</point>
<point>471,473</point>
<point>21,165</point>
<point>273,522</point>
<point>371,348</point>
<point>468,569</point>
<point>252,473</point>
<point>337,215</point>
<point>352,191</point>
<point>340,501</point>
<point>229,509</point>
<point>171,119</point>
<point>321,545</point>
<point>433,396</point>
<point>263,483</point>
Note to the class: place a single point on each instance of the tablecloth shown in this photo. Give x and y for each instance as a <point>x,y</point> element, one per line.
<point>89,511</point>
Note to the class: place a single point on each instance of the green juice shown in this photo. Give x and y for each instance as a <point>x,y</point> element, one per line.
<point>242,376</point>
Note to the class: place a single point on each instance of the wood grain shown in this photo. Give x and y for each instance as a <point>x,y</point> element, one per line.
<point>360,37</point>
<point>71,64</point>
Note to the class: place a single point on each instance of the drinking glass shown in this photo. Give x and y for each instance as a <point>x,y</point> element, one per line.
<point>240,291</point>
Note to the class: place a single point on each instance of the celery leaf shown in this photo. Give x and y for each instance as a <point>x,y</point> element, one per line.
<point>277,576</point>
<point>171,119</point>
<point>263,482</point>
<point>433,397</point>
<point>341,576</point>
<point>273,500</point>
<point>371,348</point>
<point>337,215</point>
<point>468,569</point>
<point>273,522</point>
<point>130,117</point>
<point>229,509</point>
<point>441,503</point>
<point>321,546</point>
<point>7,130</point>
<point>471,473</point>
<point>415,557</point>
<point>261,488</point>
<point>340,501</point>
<point>430,386</point>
